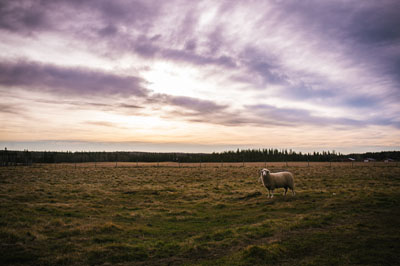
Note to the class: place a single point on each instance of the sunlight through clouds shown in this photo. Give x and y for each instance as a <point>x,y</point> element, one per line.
<point>286,74</point>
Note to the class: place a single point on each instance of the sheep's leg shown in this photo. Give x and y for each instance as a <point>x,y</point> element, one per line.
<point>272,193</point>
<point>269,193</point>
<point>285,191</point>
<point>293,193</point>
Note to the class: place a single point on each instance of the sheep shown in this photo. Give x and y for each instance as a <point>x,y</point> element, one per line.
<point>276,180</point>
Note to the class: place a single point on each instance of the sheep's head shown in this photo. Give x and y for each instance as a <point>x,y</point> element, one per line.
<point>263,173</point>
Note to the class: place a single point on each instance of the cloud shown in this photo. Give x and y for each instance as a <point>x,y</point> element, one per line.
<point>101,123</point>
<point>363,33</point>
<point>86,83</point>
<point>32,16</point>
<point>130,106</point>
<point>68,81</point>
<point>22,16</point>
<point>190,57</point>
<point>301,117</point>
<point>10,109</point>
<point>195,105</point>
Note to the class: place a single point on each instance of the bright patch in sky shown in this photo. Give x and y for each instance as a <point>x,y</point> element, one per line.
<point>170,78</point>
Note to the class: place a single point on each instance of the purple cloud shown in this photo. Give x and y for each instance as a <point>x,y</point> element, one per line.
<point>68,81</point>
<point>10,109</point>
<point>296,116</point>
<point>38,15</point>
<point>23,17</point>
<point>195,105</point>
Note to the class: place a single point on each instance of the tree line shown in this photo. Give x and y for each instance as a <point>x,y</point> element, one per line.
<point>245,155</point>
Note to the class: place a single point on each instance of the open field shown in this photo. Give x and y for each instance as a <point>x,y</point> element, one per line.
<point>213,215</point>
<point>272,165</point>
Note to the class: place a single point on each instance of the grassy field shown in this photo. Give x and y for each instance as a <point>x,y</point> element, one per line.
<point>146,215</point>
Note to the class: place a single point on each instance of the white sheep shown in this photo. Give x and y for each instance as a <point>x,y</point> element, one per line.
<point>276,180</point>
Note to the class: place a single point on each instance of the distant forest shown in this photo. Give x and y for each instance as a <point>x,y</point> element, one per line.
<point>8,157</point>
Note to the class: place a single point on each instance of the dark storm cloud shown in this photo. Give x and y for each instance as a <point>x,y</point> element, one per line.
<point>68,81</point>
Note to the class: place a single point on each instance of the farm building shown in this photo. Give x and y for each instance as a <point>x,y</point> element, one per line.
<point>369,160</point>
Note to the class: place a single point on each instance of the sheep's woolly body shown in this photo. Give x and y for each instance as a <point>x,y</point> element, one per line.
<point>272,181</point>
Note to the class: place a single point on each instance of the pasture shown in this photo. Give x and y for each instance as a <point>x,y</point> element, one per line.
<point>192,215</point>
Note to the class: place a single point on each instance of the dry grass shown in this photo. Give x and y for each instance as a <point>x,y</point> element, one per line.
<point>214,215</point>
<point>280,165</point>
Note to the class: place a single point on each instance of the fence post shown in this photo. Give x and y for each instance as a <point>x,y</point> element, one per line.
<point>5,163</point>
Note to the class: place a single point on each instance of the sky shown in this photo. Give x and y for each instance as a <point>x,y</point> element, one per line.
<point>200,76</point>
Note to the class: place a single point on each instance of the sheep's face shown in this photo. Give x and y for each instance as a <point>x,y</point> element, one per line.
<point>264,172</point>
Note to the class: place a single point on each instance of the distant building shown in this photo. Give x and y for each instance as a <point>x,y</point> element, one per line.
<point>369,160</point>
<point>351,159</point>
<point>388,160</point>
